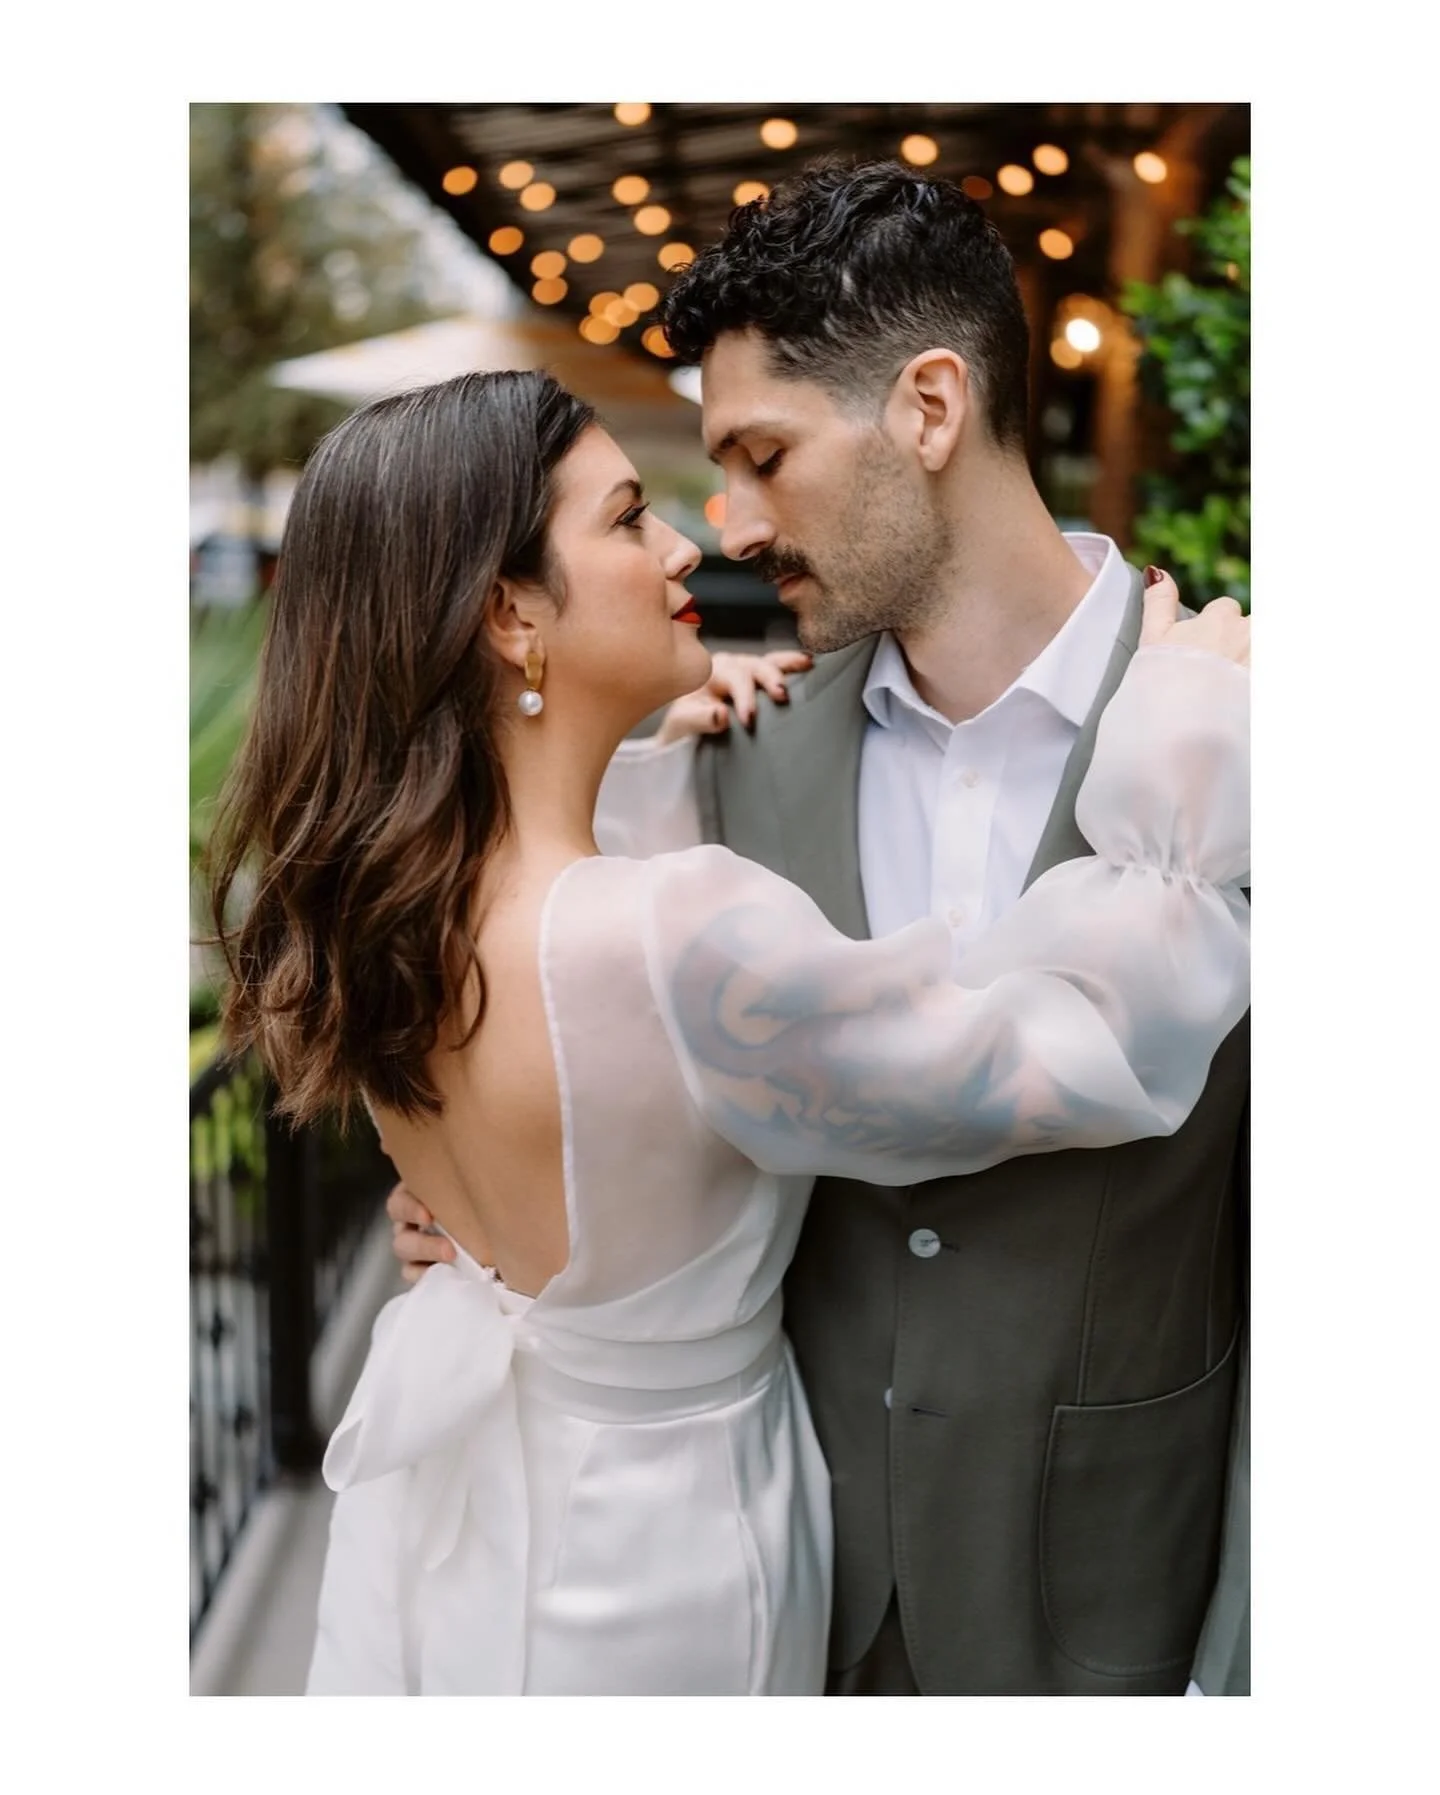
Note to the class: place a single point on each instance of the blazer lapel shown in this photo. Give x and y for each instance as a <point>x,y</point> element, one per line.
<point>814,761</point>
<point>1061,839</point>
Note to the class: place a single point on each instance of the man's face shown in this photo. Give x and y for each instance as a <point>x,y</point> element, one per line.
<point>820,500</point>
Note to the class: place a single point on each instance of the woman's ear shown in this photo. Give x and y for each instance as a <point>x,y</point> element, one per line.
<point>929,404</point>
<point>510,622</point>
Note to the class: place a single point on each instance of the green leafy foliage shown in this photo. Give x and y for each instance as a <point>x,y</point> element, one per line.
<point>1194,332</point>
<point>290,253</point>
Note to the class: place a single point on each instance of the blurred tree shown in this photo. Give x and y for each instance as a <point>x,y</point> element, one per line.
<point>1195,362</point>
<point>293,248</point>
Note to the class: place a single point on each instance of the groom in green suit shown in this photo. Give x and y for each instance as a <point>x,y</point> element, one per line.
<point>1029,1382</point>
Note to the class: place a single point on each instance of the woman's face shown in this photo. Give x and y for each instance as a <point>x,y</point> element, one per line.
<point>617,642</point>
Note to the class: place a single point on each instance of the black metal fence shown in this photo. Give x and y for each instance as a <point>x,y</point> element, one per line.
<point>276,1220</point>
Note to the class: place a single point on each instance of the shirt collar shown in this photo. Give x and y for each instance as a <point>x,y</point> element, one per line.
<point>1066,673</point>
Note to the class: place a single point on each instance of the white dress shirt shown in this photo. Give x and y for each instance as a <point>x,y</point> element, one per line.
<point>951,814</point>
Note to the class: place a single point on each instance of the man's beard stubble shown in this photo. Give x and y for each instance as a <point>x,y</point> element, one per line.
<point>884,566</point>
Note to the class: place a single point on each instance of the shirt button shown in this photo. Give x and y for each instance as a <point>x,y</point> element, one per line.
<point>924,1243</point>
<point>970,778</point>
<point>956,917</point>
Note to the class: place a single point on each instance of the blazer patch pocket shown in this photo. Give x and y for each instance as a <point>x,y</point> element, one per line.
<point>1130,1515</point>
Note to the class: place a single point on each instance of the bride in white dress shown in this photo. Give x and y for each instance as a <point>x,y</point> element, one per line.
<point>579,1459</point>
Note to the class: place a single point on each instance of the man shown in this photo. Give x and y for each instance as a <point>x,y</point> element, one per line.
<point>1024,1381</point>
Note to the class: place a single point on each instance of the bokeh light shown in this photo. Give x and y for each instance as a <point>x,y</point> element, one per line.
<point>600,301</point>
<point>460,180</point>
<point>632,112</point>
<point>1151,168</point>
<point>976,187</point>
<point>652,221</point>
<point>674,255</point>
<point>748,190</point>
<point>549,292</point>
<point>548,265</point>
<point>598,330</point>
<point>1058,245</point>
<point>1065,355</point>
<point>715,511</point>
<point>1050,159</point>
<point>506,240</point>
<point>778,134</point>
<point>1083,334</point>
<point>1015,179</point>
<point>620,313</point>
<point>642,295</point>
<point>630,189</point>
<point>516,174</point>
<point>537,196</point>
<point>654,341</point>
<point>587,247</point>
<point>919,150</point>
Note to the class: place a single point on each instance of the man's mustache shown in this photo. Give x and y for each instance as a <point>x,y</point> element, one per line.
<point>775,564</point>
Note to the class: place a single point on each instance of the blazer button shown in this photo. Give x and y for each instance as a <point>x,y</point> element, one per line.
<point>924,1243</point>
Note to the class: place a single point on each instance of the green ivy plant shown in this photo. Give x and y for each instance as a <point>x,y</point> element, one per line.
<point>1194,333</point>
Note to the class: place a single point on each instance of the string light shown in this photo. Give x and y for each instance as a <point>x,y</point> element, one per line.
<point>778,134</point>
<point>1057,245</point>
<point>919,150</point>
<point>548,265</point>
<point>600,301</point>
<point>620,313</point>
<point>632,112</point>
<point>506,240</point>
<point>549,292</point>
<point>642,295</point>
<point>654,341</point>
<point>630,189</point>
<point>460,180</point>
<point>598,330</point>
<point>1050,159</point>
<point>538,196</point>
<point>675,255</point>
<point>1151,168</point>
<point>516,174</point>
<point>587,248</point>
<point>1083,334</point>
<point>1015,179</point>
<point>748,190</point>
<point>652,221</point>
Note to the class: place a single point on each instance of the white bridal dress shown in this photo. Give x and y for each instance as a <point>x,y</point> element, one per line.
<point>614,1488</point>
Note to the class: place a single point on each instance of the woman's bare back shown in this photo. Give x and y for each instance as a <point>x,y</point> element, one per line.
<point>492,1164</point>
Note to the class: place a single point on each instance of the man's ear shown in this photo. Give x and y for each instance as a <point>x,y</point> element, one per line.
<point>929,405</point>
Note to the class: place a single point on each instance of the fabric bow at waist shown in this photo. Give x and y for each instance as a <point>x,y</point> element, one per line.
<point>437,1401</point>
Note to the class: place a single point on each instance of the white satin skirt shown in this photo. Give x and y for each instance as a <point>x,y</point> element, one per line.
<point>571,1537</point>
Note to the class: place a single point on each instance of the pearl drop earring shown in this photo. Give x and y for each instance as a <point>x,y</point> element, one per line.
<point>530,700</point>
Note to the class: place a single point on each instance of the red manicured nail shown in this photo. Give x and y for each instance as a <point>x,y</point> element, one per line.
<point>1153,576</point>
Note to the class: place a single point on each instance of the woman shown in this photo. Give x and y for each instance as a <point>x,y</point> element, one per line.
<point>579,1459</point>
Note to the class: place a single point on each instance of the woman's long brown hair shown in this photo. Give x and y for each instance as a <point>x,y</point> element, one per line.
<point>369,789</point>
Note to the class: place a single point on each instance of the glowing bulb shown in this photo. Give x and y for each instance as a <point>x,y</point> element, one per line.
<point>538,196</point>
<point>632,112</point>
<point>630,189</point>
<point>548,265</point>
<point>549,292</point>
<point>516,174</point>
<point>642,295</point>
<point>598,330</point>
<point>976,187</point>
<point>654,341</point>
<point>1015,179</point>
<point>1064,355</point>
<point>1083,334</point>
<point>620,313</point>
<point>748,190</point>
<point>778,134</point>
<point>715,511</point>
<point>460,180</point>
<point>675,255</point>
<point>921,151</point>
<point>587,248</point>
<point>652,221</point>
<point>506,240</point>
<point>1050,159</point>
<point>1057,245</point>
<point>1150,167</point>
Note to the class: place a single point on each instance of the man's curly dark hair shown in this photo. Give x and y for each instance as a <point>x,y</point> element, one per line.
<point>848,271</point>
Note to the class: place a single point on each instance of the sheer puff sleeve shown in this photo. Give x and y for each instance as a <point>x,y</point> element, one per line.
<point>647,803</point>
<point>1086,1017</point>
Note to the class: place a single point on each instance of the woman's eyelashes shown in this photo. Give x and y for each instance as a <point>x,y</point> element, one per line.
<point>633,519</point>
